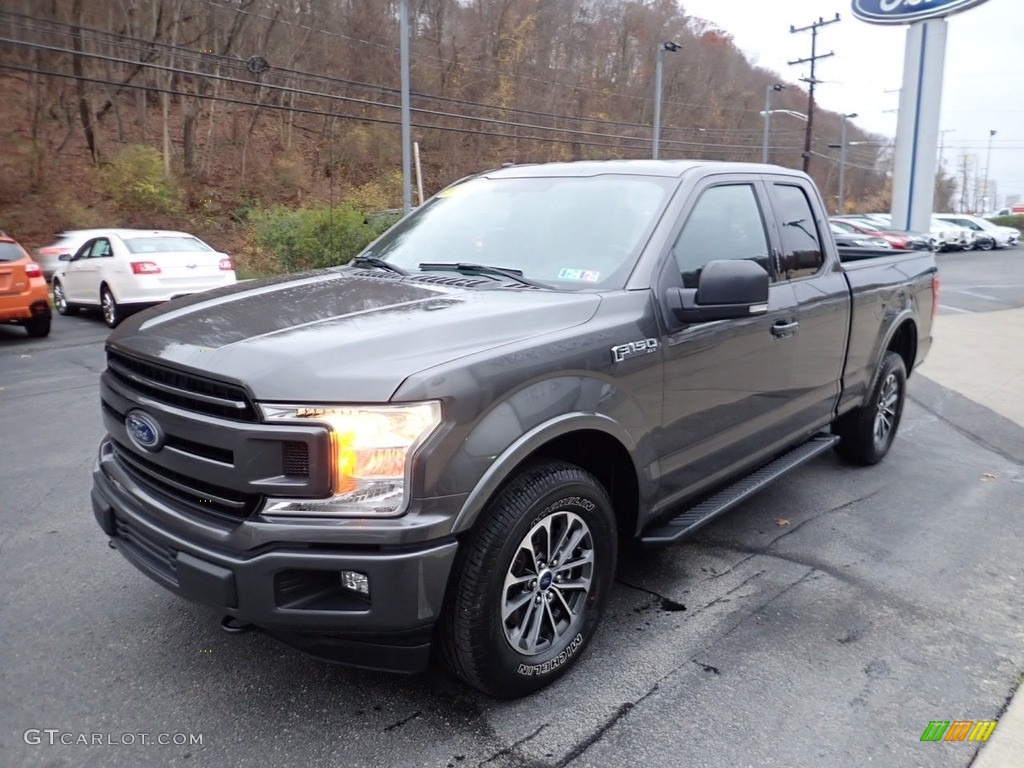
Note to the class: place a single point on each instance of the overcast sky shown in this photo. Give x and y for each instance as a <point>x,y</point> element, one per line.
<point>984,77</point>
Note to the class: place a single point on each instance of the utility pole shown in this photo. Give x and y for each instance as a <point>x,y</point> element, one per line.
<point>812,80</point>
<point>963,183</point>
<point>988,167</point>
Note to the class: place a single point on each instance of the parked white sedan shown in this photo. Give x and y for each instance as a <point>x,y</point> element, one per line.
<point>121,270</point>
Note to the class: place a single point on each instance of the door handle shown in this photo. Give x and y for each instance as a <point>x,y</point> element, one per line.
<point>781,329</point>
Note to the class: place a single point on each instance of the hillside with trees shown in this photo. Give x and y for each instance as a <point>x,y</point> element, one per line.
<point>220,116</point>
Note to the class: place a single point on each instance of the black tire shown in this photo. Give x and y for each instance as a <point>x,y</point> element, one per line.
<point>113,314</point>
<point>867,433</point>
<point>39,326</point>
<point>987,244</point>
<point>61,302</point>
<point>542,509</point>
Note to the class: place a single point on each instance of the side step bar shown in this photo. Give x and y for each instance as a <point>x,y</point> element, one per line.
<point>687,522</point>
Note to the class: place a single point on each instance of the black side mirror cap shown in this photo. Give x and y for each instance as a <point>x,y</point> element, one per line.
<point>727,289</point>
<point>65,257</point>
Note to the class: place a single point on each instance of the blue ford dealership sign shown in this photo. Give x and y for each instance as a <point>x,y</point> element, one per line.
<point>908,11</point>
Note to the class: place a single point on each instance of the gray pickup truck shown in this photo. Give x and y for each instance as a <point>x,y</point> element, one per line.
<point>439,446</point>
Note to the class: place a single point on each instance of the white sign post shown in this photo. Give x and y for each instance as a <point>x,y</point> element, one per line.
<point>917,131</point>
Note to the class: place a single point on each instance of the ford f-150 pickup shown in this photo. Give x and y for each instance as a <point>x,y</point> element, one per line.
<point>438,447</point>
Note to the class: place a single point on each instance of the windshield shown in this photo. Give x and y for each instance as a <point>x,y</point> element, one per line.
<point>10,252</point>
<point>576,233</point>
<point>166,245</point>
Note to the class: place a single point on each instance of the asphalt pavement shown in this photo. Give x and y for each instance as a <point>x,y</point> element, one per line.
<point>825,622</point>
<point>977,355</point>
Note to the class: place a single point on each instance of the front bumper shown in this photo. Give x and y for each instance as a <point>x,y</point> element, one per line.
<point>291,589</point>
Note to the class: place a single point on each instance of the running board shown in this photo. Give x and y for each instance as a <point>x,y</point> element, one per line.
<point>687,522</point>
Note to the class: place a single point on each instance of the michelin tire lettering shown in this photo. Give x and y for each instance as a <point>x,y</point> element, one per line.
<point>531,670</point>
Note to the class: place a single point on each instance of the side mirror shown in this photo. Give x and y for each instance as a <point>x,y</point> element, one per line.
<point>726,290</point>
<point>65,257</point>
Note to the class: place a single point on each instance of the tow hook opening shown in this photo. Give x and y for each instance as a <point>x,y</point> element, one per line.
<point>235,626</point>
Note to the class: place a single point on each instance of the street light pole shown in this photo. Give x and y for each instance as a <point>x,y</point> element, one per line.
<point>403,31</point>
<point>842,161</point>
<point>988,167</point>
<point>657,92</point>
<point>768,117</point>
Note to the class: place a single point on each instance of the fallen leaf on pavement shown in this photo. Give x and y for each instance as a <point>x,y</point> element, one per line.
<point>781,522</point>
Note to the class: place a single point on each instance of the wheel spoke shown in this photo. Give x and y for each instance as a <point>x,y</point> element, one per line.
<point>538,620</point>
<point>512,580</point>
<point>555,633</point>
<point>582,584</point>
<point>545,528</point>
<point>560,546</point>
<point>565,605</point>
<point>577,537</point>
<point>583,559</point>
<point>513,605</point>
<point>516,635</point>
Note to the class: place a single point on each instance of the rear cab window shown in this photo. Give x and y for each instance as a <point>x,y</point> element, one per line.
<point>802,254</point>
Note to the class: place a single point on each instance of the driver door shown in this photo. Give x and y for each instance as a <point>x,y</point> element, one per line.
<point>727,383</point>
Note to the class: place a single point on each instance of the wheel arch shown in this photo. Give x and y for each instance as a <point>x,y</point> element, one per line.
<point>593,442</point>
<point>903,341</point>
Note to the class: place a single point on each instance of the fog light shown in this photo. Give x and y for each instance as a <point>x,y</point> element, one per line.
<point>357,582</point>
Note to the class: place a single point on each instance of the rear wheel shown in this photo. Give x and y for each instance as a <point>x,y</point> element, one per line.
<point>60,300</point>
<point>867,433</point>
<point>112,312</point>
<point>38,327</point>
<point>531,581</point>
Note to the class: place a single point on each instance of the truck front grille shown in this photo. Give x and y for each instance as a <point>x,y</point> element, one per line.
<point>180,389</point>
<point>196,495</point>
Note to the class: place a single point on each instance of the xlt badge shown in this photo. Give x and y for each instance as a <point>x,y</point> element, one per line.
<point>622,352</point>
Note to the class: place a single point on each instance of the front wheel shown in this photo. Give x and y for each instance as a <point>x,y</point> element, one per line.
<point>987,244</point>
<point>61,301</point>
<point>531,581</point>
<point>867,433</point>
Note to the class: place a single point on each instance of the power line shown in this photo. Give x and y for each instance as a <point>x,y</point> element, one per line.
<point>202,57</point>
<point>363,102</point>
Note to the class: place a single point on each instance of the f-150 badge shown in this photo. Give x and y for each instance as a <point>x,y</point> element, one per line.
<point>622,352</point>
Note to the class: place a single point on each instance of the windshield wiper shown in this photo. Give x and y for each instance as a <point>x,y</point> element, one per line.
<point>373,261</point>
<point>482,269</point>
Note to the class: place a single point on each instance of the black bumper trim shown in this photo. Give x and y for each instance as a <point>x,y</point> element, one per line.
<point>390,632</point>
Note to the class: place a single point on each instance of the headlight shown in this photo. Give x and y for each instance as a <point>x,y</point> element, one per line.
<point>371,447</point>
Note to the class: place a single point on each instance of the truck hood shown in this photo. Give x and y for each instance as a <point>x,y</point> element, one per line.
<point>343,336</point>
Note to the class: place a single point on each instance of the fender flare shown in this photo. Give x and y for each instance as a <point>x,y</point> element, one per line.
<point>512,457</point>
<point>907,313</point>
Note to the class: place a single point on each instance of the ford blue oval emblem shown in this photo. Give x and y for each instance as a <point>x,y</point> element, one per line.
<point>143,431</point>
<point>908,11</point>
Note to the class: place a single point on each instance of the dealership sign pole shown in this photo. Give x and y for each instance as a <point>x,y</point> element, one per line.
<point>917,131</point>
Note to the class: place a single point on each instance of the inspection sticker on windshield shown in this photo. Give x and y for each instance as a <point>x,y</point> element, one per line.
<point>585,275</point>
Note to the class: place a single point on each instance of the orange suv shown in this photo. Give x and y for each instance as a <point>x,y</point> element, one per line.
<point>24,298</point>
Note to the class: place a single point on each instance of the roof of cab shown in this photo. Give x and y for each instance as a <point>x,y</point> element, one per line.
<point>665,168</point>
